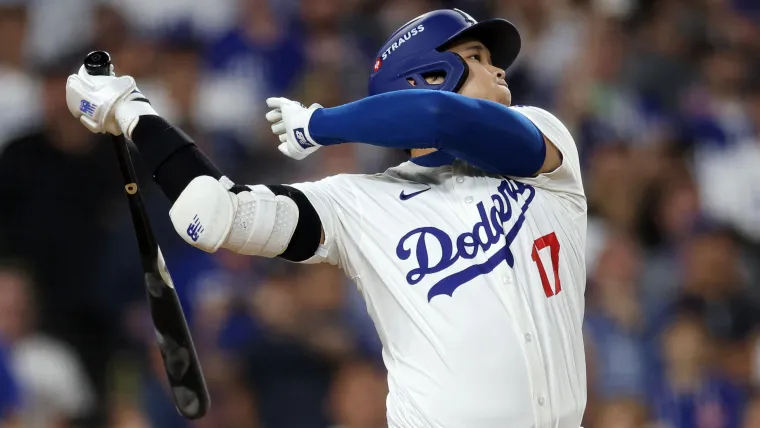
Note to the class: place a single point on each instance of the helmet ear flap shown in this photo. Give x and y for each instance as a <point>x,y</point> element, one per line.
<point>465,74</point>
<point>410,73</point>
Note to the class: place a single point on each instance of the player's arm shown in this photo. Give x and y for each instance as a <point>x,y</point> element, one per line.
<point>209,211</point>
<point>486,134</point>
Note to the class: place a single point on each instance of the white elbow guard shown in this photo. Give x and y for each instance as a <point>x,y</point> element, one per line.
<point>258,222</point>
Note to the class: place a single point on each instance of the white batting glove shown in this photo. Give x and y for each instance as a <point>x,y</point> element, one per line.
<point>290,122</point>
<point>106,104</point>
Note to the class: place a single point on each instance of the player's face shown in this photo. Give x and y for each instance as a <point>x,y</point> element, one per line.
<point>485,80</point>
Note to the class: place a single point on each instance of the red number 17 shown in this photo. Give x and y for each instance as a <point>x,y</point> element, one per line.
<point>539,244</point>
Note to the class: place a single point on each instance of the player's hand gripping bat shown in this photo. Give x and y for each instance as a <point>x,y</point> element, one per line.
<point>183,370</point>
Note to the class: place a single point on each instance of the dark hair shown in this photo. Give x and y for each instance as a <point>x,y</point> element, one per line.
<point>13,11</point>
<point>60,67</point>
<point>16,266</point>
<point>23,270</point>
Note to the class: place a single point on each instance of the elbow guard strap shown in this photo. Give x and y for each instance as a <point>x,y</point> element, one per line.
<point>207,215</point>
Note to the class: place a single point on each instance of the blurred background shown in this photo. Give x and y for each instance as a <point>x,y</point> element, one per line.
<point>662,96</point>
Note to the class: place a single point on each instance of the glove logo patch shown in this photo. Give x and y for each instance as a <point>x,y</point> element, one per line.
<point>87,107</point>
<point>195,229</point>
<point>301,138</point>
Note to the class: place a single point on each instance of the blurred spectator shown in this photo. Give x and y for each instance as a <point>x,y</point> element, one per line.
<point>670,221</point>
<point>258,58</point>
<point>752,413</point>
<point>57,182</point>
<point>166,17</point>
<point>20,104</point>
<point>715,287</point>
<point>221,297</point>
<point>55,390</point>
<point>59,29</point>
<point>621,413</point>
<point>616,329</point>
<point>670,37</point>
<point>301,343</point>
<point>551,33</point>
<point>691,393</point>
<point>595,98</point>
<point>10,400</point>
<point>111,32</point>
<point>357,396</point>
<point>728,174</point>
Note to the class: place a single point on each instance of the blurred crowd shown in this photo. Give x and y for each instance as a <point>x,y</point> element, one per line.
<point>662,96</point>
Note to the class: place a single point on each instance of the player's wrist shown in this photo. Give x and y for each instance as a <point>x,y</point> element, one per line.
<point>127,113</point>
<point>313,124</point>
<point>302,124</point>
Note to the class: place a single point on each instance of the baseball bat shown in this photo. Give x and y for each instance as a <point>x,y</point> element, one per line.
<point>183,369</point>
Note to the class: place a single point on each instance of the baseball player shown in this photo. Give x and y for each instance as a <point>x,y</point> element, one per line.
<point>470,255</point>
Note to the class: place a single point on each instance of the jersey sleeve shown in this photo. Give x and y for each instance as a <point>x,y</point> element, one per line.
<point>566,179</point>
<point>334,200</point>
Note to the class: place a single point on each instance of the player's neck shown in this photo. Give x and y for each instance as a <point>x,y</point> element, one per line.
<point>420,152</point>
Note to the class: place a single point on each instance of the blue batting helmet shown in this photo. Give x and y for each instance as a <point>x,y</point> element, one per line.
<point>417,50</point>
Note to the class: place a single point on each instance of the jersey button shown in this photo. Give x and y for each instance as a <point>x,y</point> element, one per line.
<point>528,337</point>
<point>506,279</point>
<point>541,401</point>
<point>460,179</point>
<point>468,199</point>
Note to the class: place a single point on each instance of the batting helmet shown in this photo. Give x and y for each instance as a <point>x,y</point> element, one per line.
<point>417,50</point>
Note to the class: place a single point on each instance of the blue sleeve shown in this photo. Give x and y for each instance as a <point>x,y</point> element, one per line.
<point>10,397</point>
<point>483,133</point>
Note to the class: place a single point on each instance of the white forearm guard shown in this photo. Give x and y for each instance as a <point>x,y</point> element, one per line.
<point>258,223</point>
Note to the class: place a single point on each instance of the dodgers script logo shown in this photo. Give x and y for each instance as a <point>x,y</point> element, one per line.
<point>487,232</point>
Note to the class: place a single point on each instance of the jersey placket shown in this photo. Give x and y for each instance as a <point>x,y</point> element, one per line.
<point>530,345</point>
<point>468,190</point>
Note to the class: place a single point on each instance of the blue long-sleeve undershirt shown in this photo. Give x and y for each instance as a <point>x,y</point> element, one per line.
<point>483,133</point>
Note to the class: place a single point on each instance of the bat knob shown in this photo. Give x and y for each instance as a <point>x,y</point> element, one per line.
<point>98,63</point>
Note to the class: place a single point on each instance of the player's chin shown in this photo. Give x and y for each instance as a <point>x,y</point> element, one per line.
<point>503,95</point>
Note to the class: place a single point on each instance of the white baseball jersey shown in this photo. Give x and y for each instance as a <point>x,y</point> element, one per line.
<point>475,283</point>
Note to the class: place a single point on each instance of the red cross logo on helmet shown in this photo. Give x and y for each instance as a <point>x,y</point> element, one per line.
<point>378,64</point>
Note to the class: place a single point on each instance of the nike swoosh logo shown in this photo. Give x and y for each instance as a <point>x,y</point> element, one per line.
<point>404,196</point>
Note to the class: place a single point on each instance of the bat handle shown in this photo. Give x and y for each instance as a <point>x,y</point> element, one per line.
<point>98,63</point>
